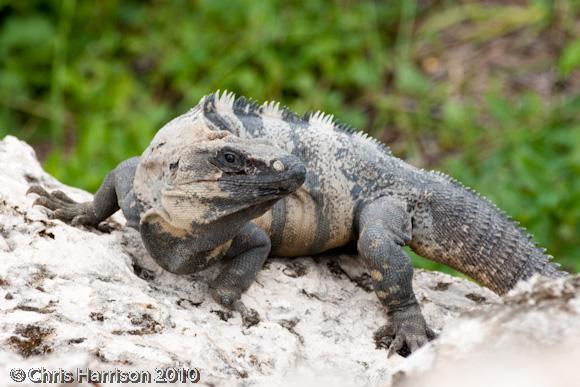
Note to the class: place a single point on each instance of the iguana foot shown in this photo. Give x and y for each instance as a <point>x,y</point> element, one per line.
<point>405,332</point>
<point>231,300</point>
<point>64,208</point>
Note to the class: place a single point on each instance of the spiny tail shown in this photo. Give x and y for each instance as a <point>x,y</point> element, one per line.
<point>464,230</point>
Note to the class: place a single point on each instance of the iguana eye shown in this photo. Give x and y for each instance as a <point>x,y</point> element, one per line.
<point>230,158</point>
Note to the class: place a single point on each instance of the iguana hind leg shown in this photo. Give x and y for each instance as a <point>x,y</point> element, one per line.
<point>384,228</point>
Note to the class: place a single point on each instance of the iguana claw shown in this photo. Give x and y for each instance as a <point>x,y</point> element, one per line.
<point>230,298</point>
<point>405,332</point>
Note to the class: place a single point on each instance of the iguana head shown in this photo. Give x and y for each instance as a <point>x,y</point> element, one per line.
<point>192,176</point>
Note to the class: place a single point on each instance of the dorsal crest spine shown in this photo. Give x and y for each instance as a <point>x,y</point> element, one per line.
<point>226,102</point>
<point>322,119</point>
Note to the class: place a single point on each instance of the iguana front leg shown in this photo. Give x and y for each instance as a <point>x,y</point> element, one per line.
<point>247,255</point>
<point>113,193</point>
<point>179,253</point>
<point>384,228</point>
<point>86,213</point>
<point>64,208</point>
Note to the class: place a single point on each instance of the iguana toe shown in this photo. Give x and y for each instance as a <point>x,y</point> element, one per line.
<point>46,202</point>
<point>431,334</point>
<point>37,189</point>
<point>62,197</point>
<point>81,220</point>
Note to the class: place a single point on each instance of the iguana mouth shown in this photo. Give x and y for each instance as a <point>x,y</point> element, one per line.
<point>269,192</point>
<point>267,183</point>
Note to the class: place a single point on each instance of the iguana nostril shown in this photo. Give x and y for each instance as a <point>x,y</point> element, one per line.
<point>278,166</point>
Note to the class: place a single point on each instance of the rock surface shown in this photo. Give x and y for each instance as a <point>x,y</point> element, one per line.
<point>532,339</point>
<point>73,298</point>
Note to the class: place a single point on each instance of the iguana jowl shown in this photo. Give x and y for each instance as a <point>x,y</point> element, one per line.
<point>224,181</point>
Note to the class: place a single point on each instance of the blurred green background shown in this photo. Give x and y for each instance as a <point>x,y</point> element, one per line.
<point>487,91</point>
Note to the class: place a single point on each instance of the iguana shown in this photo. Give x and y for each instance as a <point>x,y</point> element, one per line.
<point>234,181</point>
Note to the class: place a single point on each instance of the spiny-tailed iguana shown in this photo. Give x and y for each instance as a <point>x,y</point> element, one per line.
<point>224,181</point>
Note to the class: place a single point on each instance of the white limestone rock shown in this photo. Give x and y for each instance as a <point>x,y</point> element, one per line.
<point>531,340</point>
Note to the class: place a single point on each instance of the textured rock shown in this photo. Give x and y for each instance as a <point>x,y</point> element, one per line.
<point>532,340</point>
<point>82,298</point>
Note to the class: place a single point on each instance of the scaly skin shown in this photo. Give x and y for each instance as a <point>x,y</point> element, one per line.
<point>355,191</point>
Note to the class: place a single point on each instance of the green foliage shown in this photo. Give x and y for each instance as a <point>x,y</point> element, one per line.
<point>91,82</point>
<point>532,171</point>
<point>570,59</point>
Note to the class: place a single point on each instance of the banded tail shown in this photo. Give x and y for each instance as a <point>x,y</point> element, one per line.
<point>456,226</point>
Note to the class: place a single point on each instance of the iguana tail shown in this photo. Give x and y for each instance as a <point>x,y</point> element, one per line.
<point>456,226</point>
